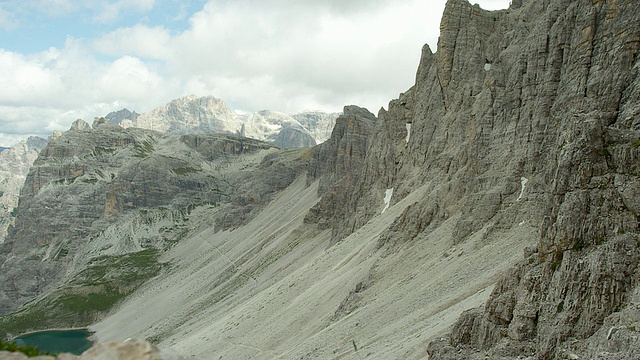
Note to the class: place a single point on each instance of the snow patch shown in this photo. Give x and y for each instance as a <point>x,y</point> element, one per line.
<point>487,67</point>
<point>523,182</point>
<point>387,199</point>
<point>408,133</point>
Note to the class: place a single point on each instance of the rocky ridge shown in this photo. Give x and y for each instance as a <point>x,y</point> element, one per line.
<point>14,166</point>
<point>192,114</point>
<point>108,196</point>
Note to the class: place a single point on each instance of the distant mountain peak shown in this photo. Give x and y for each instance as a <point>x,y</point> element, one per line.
<point>207,114</point>
<point>116,117</point>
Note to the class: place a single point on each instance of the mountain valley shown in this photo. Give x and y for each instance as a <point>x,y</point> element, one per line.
<point>491,211</point>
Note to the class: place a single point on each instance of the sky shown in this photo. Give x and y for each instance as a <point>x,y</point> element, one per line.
<point>61,60</point>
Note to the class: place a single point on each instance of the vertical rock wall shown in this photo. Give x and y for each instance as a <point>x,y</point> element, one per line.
<point>524,116</point>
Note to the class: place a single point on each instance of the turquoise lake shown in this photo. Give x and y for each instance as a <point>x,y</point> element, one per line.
<point>57,341</point>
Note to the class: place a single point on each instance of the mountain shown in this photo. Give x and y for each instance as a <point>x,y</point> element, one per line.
<point>189,114</point>
<point>489,212</point>
<point>318,123</point>
<point>117,117</point>
<point>101,196</point>
<point>192,114</point>
<point>14,166</point>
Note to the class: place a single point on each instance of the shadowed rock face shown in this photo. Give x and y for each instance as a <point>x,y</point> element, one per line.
<point>291,137</point>
<point>336,163</point>
<point>523,116</point>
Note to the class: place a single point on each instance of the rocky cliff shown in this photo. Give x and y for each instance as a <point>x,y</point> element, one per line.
<point>14,166</point>
<point>524,120</point>
<point>192,114</point>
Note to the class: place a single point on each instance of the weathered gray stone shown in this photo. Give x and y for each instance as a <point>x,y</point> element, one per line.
<point>14,166</point>
<point>80,125</point>
<point>128,350</point>
<point>565,85</point>
<point>336,163</point>
<point>117,117</point>
<point>290,137</point>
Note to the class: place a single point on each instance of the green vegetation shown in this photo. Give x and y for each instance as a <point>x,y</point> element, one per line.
<point>131,267</point>
<point>554,265</point>
<point>185,170</point>
<point>99,150</point>
<point>61,253</point>
<point>143,150</point>
<point>30,351</point>
<point>89,295</point>
<point>636,144</point>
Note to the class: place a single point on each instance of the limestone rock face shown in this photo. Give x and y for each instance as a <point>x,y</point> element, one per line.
<point>14,166</point>
<point>522,132</point>
<point>193,114</point>
<point>189,115</point>
<point>117,117</point>
<point>276,127</point>
<point>336,163</point>
<point>128,350</point>
<point>556,81</point>
<point>527,119</point>
<point>80,125</point>
<point>319,124</point>
<point>290,137</point>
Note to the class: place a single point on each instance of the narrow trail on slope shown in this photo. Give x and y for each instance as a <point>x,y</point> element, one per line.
<point>232,263</point>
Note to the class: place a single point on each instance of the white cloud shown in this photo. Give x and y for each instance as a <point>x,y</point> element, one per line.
<point>57,6</point>
<point>334,49</point>
<point>147,42</point>
<point>128,78</point>
<point>7,20</point>
<point>49,90</point>
<point>110,11</point>
<point>25,80</point>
